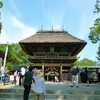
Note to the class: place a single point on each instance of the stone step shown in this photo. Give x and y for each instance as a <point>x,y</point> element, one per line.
<point>53,91</point>
<point>72,92</point>
<point>73,96</point>
<point>31,99</point>
<point>53,96</point>
<point>11,90</point>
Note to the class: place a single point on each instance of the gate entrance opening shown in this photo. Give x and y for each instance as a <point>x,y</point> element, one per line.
<point>51,73</point>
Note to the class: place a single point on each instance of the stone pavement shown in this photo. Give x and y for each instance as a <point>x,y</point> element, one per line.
<point>58,91</point>
<point>59,86</point>
<point>64,86</point>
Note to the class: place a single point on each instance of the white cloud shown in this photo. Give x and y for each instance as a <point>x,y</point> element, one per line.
<point>93,58</point>
<point>15,9</point>
<point>13,5</point>
<point>86,23</point>
<point>17,24</point>
<point>83,27</point>
<point>4,38</point>
<point>15,31</point>
<point>56,20</point>
<point>53,15</point>
<point>24,30</point>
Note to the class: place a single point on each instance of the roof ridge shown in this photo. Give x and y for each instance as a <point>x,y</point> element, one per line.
<point>50,31</point>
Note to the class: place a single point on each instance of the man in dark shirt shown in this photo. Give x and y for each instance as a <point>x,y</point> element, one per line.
<point>27,81</point>
<point>74,77</point>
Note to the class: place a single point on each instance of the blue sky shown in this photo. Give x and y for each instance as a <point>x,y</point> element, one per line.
<point>22,18</point>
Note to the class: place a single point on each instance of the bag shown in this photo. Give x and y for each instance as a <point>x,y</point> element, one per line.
<point>20,73</point>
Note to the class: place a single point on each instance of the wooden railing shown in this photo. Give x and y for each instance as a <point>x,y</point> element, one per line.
<point>53,57</point>
<point>56,55</point>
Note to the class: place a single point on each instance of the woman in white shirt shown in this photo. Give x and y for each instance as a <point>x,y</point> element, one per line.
<point>39,86</point>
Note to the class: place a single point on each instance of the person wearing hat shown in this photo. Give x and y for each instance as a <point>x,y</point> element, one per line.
<point>39,86</point>
<point>74,77</point>
<point>27,81</point>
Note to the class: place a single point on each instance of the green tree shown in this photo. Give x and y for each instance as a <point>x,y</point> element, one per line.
<point>16,56</point>
<point>94,35</point>
<point>97,6</point>
<point>85,62</point>
<point>1,4</point>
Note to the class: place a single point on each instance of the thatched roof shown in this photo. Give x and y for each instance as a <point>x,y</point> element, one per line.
<point>47,38</point>
<point>52,37</point>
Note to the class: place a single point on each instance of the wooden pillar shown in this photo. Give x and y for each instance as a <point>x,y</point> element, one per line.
<point>43,70</point>
<point>70,72</point>
<point>47,77</point>
<point>71,68</point>
<point>60,73</point>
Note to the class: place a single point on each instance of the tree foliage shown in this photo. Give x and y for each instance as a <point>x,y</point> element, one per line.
<point>1,4</point>
<point>97,7</point>
<point>94,35</point>
<point>86,62</point>
<point>16,56</point>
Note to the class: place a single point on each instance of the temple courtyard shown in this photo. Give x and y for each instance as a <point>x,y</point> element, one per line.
<point>54,91</point>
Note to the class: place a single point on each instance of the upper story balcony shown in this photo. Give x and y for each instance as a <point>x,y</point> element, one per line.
<point>44,55</point>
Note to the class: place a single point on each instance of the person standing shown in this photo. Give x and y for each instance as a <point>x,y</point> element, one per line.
<point>56,79</point>
<point>27,81</point>
<point>86,76</point>
<point>4,71</point>
<point>21,73</point>
<point>78,75</point>
<point>39,86</point>
<point>15,75</point>
<point>74,77</point>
